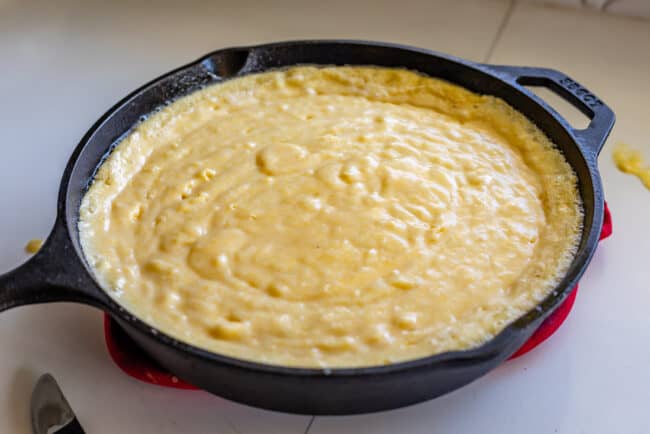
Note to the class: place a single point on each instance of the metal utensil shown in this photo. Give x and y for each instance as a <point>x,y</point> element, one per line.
<point>50,411</point>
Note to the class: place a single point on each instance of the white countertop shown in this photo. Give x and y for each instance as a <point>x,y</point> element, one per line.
<point>64,63</point>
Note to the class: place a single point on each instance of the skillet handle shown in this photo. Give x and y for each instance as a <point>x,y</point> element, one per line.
<point>602,117</point>
<point>54,273</point>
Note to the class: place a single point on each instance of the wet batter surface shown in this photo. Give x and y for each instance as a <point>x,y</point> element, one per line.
<point>629,160</point>
<point>341,216</point>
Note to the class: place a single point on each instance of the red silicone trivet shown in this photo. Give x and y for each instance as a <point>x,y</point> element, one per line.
<point>136,363</point>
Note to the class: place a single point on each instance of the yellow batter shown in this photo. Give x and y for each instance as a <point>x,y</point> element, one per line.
<point>341,216</point>
<point>631,161</point>
<point>33,246</point>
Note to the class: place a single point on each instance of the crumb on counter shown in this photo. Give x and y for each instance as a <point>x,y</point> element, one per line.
<point>629,160</point>
<point>33,246</point>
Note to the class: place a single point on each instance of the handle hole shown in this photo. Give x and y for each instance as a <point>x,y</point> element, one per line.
<point>576,118</point>
<point>228,63</point>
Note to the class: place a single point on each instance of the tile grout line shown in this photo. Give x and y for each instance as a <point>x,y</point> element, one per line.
<point>311,422</point>
<point>606,5</point>
<point>500,30</point>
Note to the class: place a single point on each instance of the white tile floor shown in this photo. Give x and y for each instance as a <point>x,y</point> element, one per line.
<point>63,63</point>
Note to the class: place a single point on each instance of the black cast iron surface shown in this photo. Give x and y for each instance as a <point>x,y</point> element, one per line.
<point>59,272</point>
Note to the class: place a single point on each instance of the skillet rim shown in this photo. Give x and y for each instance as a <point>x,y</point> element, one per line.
<point>493,348</point>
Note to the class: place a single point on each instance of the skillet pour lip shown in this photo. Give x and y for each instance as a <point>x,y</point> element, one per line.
<point>244,57</point>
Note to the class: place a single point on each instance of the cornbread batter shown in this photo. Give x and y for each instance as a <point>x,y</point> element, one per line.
<point>631,161</point>
<point>33,246</point>
<point>340,216</point>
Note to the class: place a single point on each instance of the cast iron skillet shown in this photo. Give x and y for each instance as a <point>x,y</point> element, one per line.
<point>59,272</point>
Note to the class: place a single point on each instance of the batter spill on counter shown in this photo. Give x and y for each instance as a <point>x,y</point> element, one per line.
<point>332,217</point>
<point>630,161</point>
<point>33,246</point>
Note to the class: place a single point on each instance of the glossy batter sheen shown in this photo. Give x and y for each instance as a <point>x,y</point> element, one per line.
<point>342,216</point>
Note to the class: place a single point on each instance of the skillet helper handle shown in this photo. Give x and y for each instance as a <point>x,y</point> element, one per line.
<point>602,117</point>
<point>52,274</point>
